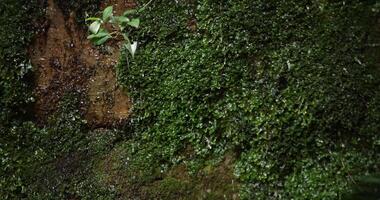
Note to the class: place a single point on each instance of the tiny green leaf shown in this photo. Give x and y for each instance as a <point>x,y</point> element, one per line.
<point>130,12</point>
<point>101,33</point>
<point>123,19</point>
<point>102,40</point>
<point>94,27</point>
<point>107,13</point>
<point>134,22</point>
<point>91,36</point>
<point>93,19</point>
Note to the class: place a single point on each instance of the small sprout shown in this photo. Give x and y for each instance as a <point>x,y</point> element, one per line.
<point>99,34</point>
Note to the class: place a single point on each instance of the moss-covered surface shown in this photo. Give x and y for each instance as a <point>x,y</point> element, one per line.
<point>133,174</point>
<point>16,18</point>
<point>37,162</point>
<point>246,99</point>
<point>286,85</point>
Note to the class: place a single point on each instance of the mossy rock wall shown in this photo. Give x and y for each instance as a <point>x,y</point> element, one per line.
<point>287,85</point>
<point>286,91</point>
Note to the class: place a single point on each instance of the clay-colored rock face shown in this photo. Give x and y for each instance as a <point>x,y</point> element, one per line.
<point>108,102</point>
<point>66,61</point>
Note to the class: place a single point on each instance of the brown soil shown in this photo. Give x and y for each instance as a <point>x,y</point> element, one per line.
<point>67,62</point>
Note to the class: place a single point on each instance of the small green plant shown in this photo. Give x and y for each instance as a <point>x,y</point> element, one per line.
<point>118,25</point>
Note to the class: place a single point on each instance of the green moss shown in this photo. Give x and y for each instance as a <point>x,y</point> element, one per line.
<point>134,174</point>
<point>282,83</point>
<point>71,153</point>
<point>16,136</point>
<point>47,162</point>
<point>169,188</point>
<point>16,19</point>
<point>287,86</point>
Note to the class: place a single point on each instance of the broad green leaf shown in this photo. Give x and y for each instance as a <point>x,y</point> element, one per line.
<point>130,12</point>
<point>102,40</point>
<point>107,13</point>
<point>134,22</point>
<point>94,27</point>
